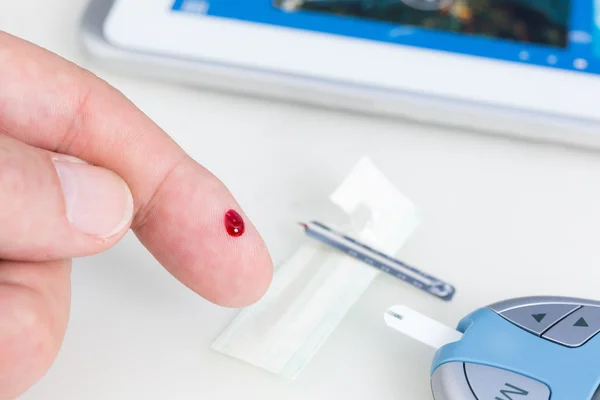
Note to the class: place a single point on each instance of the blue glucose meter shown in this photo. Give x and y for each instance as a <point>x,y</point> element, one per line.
<point>532,348</point>
<point>528,348</point>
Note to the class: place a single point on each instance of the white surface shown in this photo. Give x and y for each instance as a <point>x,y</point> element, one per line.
<point>149,26</point>
<point>420,327</point>
<point>501,219</point>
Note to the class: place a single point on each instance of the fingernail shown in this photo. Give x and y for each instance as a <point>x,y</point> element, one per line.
<point>98,201</point>
<point>66,158</point>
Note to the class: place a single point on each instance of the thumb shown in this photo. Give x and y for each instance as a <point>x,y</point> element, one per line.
<point>56,207</point>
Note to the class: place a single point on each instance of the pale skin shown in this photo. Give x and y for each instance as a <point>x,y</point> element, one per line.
<point>60,125</point>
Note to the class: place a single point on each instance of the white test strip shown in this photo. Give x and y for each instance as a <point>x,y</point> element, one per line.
<point>420,327</point>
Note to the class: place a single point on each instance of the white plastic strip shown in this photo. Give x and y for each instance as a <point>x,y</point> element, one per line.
<point>316,287</point>
<point>420,327</point>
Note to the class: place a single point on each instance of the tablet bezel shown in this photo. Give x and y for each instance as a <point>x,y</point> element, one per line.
<point>153,27</point>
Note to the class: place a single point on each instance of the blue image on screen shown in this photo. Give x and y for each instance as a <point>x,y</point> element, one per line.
<point>596,28</point>
<point>559,34</point>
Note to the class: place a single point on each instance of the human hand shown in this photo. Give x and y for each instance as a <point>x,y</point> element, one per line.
<point>79,166</point>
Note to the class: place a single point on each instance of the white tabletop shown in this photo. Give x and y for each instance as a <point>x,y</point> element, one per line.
<point>502,218</point>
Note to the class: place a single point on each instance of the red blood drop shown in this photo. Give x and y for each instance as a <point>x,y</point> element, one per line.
<point>234,223</point>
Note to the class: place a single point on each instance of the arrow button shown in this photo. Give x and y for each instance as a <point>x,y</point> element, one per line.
<point>538,317</point>
<point>577,328</point>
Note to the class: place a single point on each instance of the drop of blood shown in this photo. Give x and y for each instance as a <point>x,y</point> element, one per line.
<point>234,223</point>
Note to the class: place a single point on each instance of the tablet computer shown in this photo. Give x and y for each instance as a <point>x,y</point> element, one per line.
<point>521,67</point>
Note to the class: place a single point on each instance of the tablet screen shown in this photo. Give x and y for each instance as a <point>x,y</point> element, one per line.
<point>549,33</point>
<point>526,21</point>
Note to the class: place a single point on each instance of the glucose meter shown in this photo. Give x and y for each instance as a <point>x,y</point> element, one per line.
<point>531,348</point>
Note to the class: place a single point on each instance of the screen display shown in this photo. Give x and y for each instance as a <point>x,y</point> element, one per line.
<point>543,22</point>
<point>559,34</point>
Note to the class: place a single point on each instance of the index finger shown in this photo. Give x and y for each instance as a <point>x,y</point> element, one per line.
<point>180,207</point>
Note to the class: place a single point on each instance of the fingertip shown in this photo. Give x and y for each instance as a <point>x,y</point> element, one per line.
<point>228,271</point>
<point>34,309</point>
<point>29,339</point>
<point>248,283</point>
<point>252,272</point>
<point>197,231</point>
<point>56,207</point>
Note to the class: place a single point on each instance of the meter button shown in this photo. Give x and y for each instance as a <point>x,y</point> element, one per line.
<point>577,328</point>
<point>538,317</point>
<point>495,383</point>
<point>449,382</point>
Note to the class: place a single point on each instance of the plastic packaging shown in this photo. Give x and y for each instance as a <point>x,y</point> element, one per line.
<point>316,287</point>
